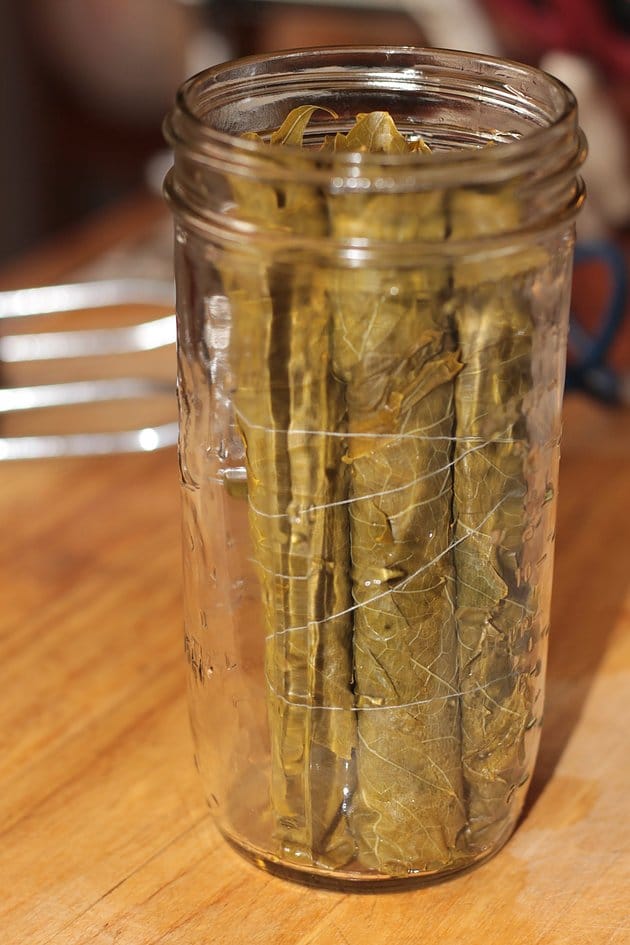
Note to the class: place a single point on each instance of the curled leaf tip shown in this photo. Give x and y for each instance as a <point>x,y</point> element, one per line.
<point>374,132</point>
<point>292,129</point>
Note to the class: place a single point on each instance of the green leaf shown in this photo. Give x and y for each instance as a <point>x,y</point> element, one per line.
<point>389,548</point>
<point>377,133</point>
<point>292,129</point>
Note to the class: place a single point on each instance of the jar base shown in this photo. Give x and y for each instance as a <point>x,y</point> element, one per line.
<point>356,881</point>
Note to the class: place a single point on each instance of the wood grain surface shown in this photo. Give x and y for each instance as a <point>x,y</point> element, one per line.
<point>105,834</point>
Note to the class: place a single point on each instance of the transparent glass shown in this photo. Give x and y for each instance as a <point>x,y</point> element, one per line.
<point>371,362</point>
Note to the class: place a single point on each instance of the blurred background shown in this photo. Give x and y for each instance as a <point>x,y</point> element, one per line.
<point>84,84</point>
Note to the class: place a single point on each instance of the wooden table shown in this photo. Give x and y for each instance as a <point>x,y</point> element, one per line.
<point>105,834</point>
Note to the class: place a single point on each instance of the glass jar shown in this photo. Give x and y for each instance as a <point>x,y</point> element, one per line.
<point>371,361</point>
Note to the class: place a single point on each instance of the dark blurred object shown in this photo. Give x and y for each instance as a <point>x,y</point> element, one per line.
<point>266,25</point>
<point>83,86</point>
<point>117,59</point>
<point>619,12</point>
<point>22,193</point>
<point>597,29</point>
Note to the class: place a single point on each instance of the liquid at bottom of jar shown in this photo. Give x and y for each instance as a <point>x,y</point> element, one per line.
<point>349,879</point>
<point>247,826</point>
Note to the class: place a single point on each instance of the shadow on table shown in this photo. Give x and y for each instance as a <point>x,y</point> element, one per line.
<point>590,588</point>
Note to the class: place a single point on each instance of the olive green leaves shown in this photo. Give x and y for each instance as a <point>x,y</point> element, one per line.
<point>386,479</point>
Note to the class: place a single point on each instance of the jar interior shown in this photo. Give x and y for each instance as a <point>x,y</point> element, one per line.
<point>370,375</point>
<point>454,100</point>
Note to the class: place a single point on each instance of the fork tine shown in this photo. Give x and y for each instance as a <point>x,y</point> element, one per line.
<point>70,393</point>
<point>48,346</point>
<point>45,346</point>
<point>146,440</point>
<point>50,299</point>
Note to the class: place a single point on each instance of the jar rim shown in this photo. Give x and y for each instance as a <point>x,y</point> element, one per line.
<point>539,146</point>
<point>247,73</point>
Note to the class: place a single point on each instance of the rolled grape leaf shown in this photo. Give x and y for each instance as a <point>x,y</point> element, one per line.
<point>287,402</point>
<point>496,602</point>
<point>394,350</point>
<point>390,559</point>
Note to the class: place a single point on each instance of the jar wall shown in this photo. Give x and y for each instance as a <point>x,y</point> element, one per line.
<point>370,384</point>
<point>226,622</point>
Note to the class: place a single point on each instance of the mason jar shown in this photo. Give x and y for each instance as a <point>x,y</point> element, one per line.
<point>371,362</point>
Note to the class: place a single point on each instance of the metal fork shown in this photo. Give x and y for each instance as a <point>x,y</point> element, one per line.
<point>21,348</point>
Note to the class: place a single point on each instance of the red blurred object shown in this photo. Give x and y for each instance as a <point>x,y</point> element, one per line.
<point>579,26</point>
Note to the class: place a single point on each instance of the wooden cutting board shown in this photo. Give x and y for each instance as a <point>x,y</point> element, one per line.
<point>105,834</point>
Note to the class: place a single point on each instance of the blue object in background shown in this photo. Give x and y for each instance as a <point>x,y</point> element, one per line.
<point>588,368</point>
